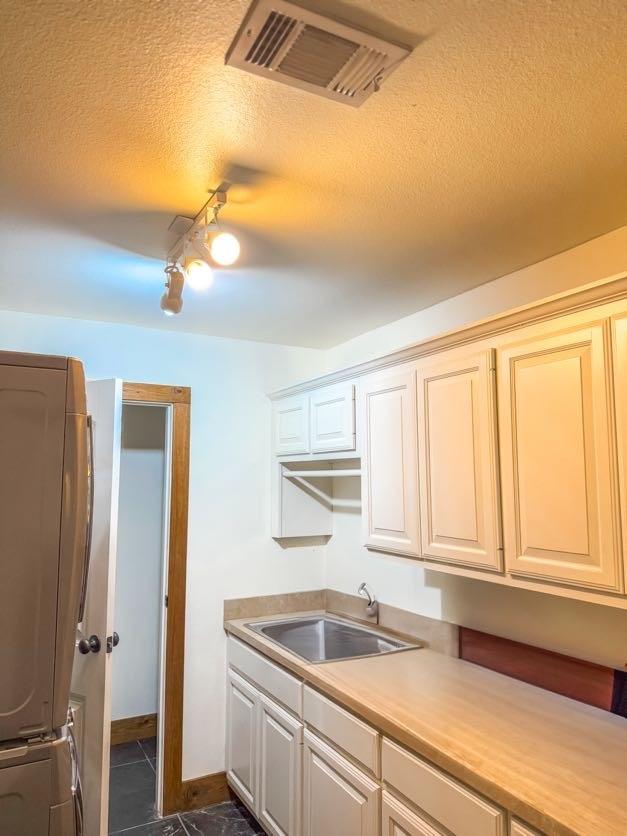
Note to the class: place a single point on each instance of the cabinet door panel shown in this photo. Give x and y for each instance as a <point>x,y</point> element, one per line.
<point>459,506</point>
<point>619,327</point>
<point>557,456</point>
<point>339,800</point>
<point>332,413</point>
<point>389,465</point>
<point>241,737</point>
<point>291,425</point>
<point>399,820</point>
<point>280,759</point>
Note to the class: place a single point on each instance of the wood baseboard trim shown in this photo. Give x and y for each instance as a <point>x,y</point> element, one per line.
<point>133,728</point>
<point>203,791</point>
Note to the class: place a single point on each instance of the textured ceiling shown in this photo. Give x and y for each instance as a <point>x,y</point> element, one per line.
<point>499,142</point>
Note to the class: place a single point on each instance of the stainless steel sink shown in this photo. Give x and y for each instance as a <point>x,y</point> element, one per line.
<point>324,639</point>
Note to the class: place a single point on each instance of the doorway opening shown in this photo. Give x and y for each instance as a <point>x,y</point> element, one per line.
<point>174,402</point>
<point>136,774</point>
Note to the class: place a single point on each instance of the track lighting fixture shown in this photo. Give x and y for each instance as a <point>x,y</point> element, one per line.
<point>172,299</point>
<point>189,260</point>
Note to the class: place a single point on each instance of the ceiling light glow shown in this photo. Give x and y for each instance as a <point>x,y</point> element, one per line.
<point>225,249</point>
<point>199,274</point>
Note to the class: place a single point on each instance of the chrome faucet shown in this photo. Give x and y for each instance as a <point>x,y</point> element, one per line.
<point>372,607</point>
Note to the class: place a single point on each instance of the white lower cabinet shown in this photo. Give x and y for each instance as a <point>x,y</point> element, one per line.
<point>280,740</point>
<point>338,798</point>
<point>242,702</point>
<point>263,756</point>
<point>399,820</point>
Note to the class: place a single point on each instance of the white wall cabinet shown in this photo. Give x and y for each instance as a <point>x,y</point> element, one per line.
<point>557,450</point>
<point>321,421</point>
<point>332,416</point>
<point>390,464</point>
<point>291,425</point>
<point>619,340</point>
<point>457,454</point>
<point>338,799</point>
<point>280,739</point>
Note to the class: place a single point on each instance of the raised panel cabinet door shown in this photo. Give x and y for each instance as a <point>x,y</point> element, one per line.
<point>457,450</point>
<point>338,799</point>
<point>332,415</point>
<point>290,418</point>
<point>619,335</point>
<point>398,820</point>
<point>280,739</point>
<point>390,514</point>
<point>557,459</point>
<point>242,704</point>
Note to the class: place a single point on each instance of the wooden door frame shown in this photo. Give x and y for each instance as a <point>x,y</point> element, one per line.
<point>179,399</point>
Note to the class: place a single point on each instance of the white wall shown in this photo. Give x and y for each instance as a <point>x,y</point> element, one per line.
<point>230,551</point>
<point>597,259</point>
<point>580,629</point>
<point>139,566</point>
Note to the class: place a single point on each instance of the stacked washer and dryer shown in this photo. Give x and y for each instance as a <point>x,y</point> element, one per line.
<point>45,496</point>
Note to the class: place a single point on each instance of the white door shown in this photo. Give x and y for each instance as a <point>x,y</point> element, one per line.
<point>290,418</point>
<point>338,799</point>
<point>280,759</point>
<point>91,676</point>
<point>390,464</point>
<point>242,705</point>
<point>459,489</point>
<point>557,459</point>
<point>332,415</point>
<point>399,820</point>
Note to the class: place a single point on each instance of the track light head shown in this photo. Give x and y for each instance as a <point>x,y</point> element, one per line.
<point>225,249</point>
<point>172,299</point>
<point>198,273</point>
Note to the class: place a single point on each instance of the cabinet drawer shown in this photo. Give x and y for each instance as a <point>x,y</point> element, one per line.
<point>356,738</point>
<point>517,828</point>
<point>397,819</point>
<point>284,687</point>
<point>441,797</point>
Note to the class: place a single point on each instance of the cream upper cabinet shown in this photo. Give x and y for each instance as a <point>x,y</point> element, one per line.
<point>457,453</point>
<point>619,334</point>
<point>557,458</point>
<point>290,418</point>
<point>241,737</point>
<point>280,759</point>
<point>389,496</point>
<point>332,411</point>
<point>338,799</point>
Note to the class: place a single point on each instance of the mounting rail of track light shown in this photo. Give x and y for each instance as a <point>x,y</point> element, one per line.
<point>190,259</point>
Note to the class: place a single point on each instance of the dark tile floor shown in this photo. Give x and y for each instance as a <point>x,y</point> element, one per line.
<point>132,801</point>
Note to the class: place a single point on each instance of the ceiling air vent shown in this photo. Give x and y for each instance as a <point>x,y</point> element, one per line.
<point>282,41</point>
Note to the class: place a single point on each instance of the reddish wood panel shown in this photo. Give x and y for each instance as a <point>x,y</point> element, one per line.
<point>574,678</point>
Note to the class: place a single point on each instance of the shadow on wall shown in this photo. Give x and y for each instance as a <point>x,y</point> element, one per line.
<point>576,628</point>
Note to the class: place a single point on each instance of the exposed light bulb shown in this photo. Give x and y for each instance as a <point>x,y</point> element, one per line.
<point>225,249</point>
<point>199,274</point>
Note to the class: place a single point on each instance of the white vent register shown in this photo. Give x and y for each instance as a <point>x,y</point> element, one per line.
<point>282,41</point>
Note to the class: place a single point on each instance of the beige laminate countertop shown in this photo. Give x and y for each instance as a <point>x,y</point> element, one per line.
<point>556,763</point>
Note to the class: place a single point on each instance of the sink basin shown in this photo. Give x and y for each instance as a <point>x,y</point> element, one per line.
<point>325,639</point>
